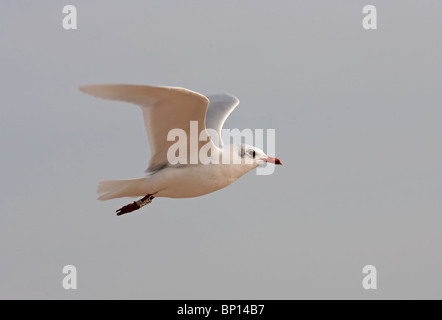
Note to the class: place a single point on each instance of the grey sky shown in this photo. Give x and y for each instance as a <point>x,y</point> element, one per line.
<point>357,116</point>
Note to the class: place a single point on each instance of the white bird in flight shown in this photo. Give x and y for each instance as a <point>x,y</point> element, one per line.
<point>167,108</point>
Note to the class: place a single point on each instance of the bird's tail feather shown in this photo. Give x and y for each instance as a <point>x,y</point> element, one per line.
<point>111,189</point>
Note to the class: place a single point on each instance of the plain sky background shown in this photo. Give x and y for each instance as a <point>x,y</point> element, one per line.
<point>358,127</point>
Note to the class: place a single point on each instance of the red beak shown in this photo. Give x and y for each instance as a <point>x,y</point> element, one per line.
<point>272,160</point>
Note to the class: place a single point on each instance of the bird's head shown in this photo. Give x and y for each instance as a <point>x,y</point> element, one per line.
<point>254,156</point>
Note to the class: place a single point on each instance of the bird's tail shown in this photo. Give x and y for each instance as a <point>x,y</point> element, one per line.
<point>111,189</point>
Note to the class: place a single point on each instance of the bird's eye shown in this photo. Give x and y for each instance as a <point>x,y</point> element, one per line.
<point>253,154</point>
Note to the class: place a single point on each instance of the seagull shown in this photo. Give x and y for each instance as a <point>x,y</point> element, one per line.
<point>168,108</point>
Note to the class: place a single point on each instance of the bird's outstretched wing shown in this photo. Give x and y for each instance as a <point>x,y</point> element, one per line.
<point>220,107</point>
<point>164,109</point>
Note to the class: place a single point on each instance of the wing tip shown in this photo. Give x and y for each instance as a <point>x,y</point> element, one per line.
<point>88,89</point>
<point>224,96</point>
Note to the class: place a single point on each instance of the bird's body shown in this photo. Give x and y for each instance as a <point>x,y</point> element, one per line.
<point>166,109</point>
<point>179,181</point>
<point>196,180</point>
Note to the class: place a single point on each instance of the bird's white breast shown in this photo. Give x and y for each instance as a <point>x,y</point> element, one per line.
<point>195,180</point>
